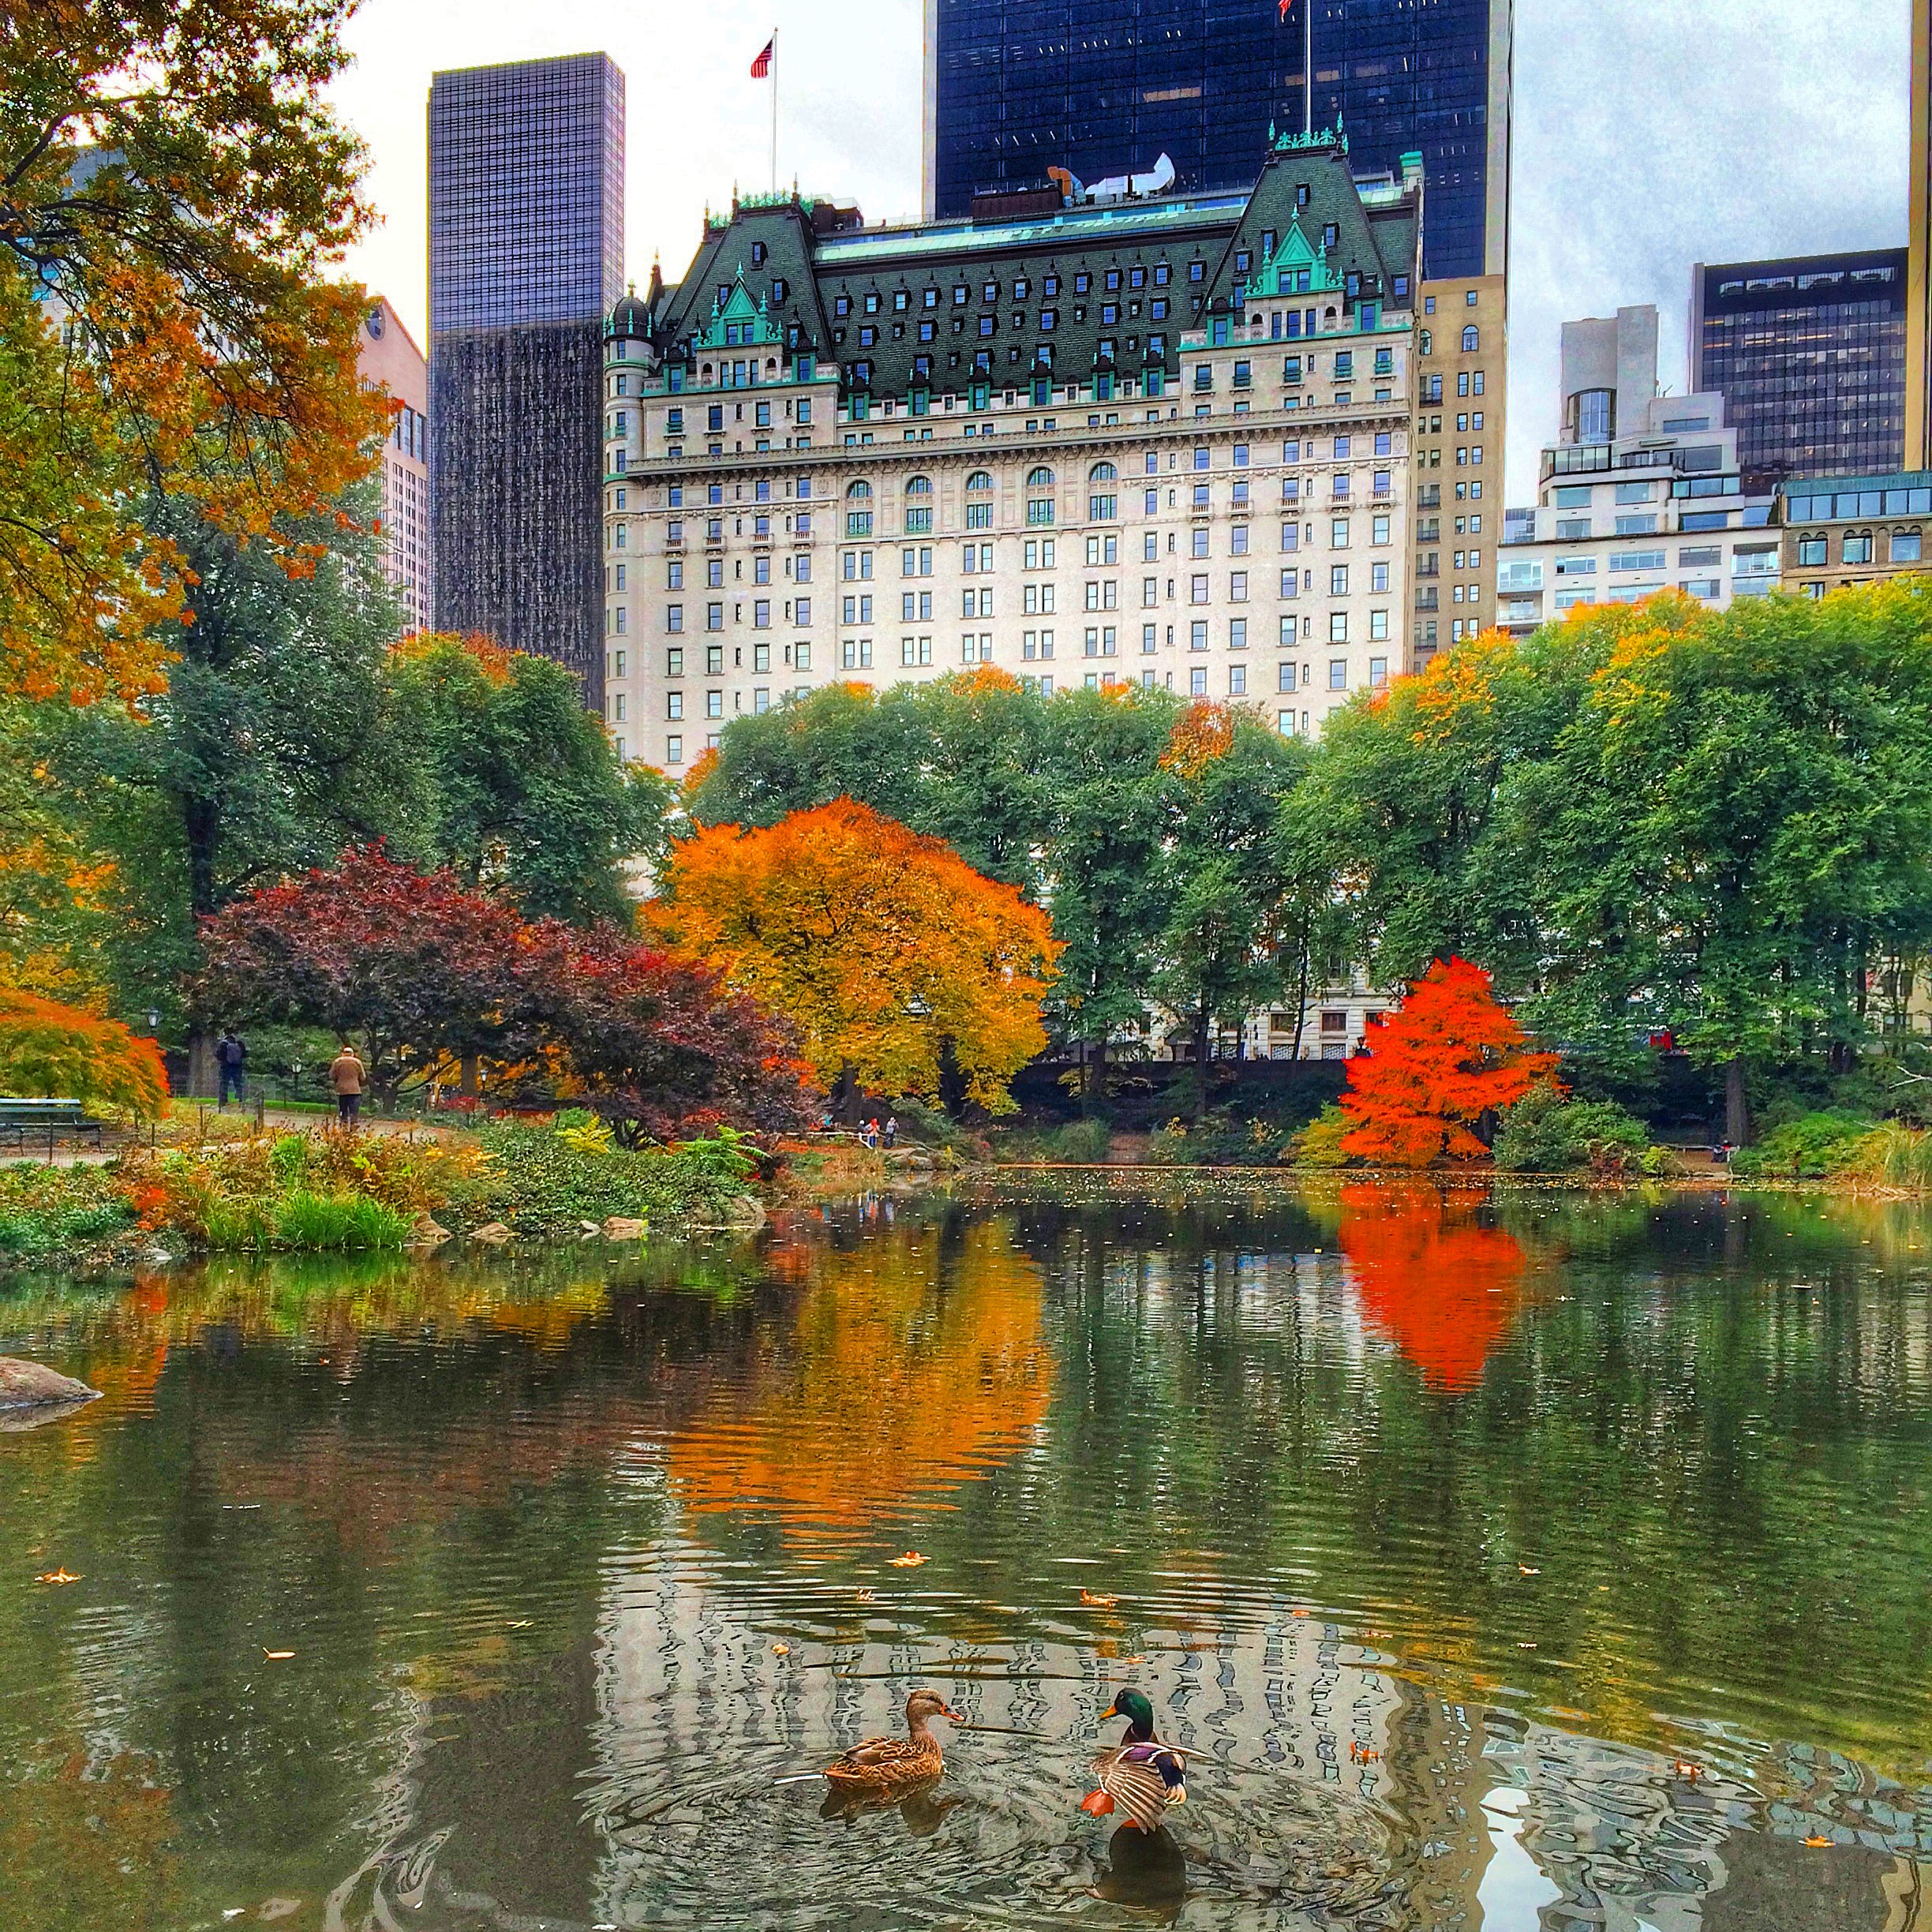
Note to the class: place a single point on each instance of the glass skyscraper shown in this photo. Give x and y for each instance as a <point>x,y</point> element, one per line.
<point>1810,356</point>
<point>1015,87</point>
<point>526,258</point>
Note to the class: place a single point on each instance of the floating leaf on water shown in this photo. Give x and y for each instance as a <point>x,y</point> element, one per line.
<point>278,1656</point>
<point>1527,1571</point>
<point>865,1596</point>
<point>1100,1601</point>
<point>1819,1841</point>
<point>911,1560</point>
<point>61,1575</point>
<point>781,1649</point>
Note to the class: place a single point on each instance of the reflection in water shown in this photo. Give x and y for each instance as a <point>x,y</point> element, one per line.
<point>1441,1284</point>
<point>913,1362</point>
<point>576,1558</point>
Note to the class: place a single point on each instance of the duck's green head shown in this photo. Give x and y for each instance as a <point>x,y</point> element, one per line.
<point>1134,1706</point>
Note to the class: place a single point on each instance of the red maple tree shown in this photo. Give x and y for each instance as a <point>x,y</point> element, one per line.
<point>1450,1054</point>
<point>432,978</point>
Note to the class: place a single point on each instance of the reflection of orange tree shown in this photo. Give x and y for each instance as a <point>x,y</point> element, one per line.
<point>913,1367</point>
<point>1439,1284</point>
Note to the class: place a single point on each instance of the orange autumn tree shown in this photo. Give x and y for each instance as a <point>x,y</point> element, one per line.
<point>49,1049</point>
<point>885,949</point>
<point>1449,1055</point>
<point>176,191</point>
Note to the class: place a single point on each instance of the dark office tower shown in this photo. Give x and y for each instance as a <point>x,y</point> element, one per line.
<point>525,257</point>
<point>1810,356</point>
<point>1103,88</point>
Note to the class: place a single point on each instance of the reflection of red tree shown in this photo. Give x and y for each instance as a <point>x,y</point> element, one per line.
<point>1443,1287</point>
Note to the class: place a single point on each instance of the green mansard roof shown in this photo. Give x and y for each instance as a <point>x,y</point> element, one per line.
<point>770,277</point>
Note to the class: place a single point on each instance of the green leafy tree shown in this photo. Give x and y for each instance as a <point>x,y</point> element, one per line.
<point>512,786</point>
<point>1221,946</point>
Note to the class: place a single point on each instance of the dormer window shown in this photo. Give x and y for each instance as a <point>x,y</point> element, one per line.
<point>757,254</point>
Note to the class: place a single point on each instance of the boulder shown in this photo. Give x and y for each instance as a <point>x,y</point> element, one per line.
<point>33,1385</point>
<point>424,1233</point>
<point>746,1212</point>
<point>494,1232</point>
<point>625,1227</point>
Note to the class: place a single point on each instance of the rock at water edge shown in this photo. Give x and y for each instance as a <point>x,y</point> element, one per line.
<point>624,1228</point>
<point>31,1384</point>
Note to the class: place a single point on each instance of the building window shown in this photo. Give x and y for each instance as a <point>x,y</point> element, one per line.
<point>1858,547</point>
<point>1338,674</point>
<point>1905,546</point>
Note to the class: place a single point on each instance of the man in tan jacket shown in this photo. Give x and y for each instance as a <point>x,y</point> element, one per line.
<point>346,1074</point>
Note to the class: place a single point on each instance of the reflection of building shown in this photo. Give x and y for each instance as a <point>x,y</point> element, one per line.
<point>1809,356</point>
<point>391,361</point>
<point>1641,492</point>
<point>525,256</point>
<point>1162,442</point>
<point>1013,91</point>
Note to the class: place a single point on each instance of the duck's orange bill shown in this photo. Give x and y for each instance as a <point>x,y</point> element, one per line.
<point>1097,1804</point>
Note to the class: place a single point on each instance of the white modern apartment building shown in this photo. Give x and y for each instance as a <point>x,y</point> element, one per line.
<point>1159,440</point>
<point>1640,491</point>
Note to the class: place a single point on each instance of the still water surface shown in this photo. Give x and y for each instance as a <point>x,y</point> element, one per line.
<point>1518,1564</point>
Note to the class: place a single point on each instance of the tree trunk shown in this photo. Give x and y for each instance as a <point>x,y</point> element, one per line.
<point>468,1087</point>
<point>1200,1062</point>
<point>845,1098</point>
<point>200,1065</point>
<point>1093,1068</point>
<point>1737,1105</point>
<point>1301,991</point>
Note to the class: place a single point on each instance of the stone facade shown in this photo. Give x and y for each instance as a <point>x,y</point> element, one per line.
<point>1461,368</point>
<point>1163,442</point>
<point>1840,530</point>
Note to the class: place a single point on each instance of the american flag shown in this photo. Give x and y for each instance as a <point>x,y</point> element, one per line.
<point>761,66</point>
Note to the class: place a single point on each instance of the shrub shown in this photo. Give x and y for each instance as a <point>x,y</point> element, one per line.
<point>540,1184</point>
<point>1319,1145</point>
<point>919,1121</point>
<point>1545,1134</point>
<point>1807,1149</point>
<point>43,1209</point>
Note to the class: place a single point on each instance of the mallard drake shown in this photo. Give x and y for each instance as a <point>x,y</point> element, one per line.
<point>1141,1774</point>
<point>892,1764</point>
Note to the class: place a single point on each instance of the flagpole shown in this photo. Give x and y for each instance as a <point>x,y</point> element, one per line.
<point>774,78</point>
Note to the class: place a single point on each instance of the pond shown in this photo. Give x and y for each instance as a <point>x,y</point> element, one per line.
<point>1513,1563</point>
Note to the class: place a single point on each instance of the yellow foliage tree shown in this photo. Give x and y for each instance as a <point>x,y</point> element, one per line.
<point>885,949</point>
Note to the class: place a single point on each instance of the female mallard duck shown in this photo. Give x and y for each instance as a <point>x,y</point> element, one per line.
<point>893,1764</point>
<point>1141,1774</point>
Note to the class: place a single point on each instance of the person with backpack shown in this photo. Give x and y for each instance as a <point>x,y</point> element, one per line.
<point>231,1062</point>
<point>346,1074</point>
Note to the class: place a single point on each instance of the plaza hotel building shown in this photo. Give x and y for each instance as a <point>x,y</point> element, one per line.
<point>1094,439</point>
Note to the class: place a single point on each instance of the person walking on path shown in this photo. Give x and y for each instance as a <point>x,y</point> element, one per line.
<point>346,1074</point>
<point>230,1060</point>
<point>892,1130</point>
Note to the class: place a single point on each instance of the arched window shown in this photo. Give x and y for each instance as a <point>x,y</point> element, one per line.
<point>859,509</point>
<point>861,488</point>
<point>918,516</point>
<point>979,480</point>
<point>1102,473</point>
<point>919,486</point>
<point>1471,340</point>
<point>1041,478</point>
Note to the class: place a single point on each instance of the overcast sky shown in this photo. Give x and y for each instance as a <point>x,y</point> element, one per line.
<point>1650,134</point>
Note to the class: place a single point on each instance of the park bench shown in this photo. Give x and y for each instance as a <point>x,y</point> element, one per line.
<point>52,1119</point>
